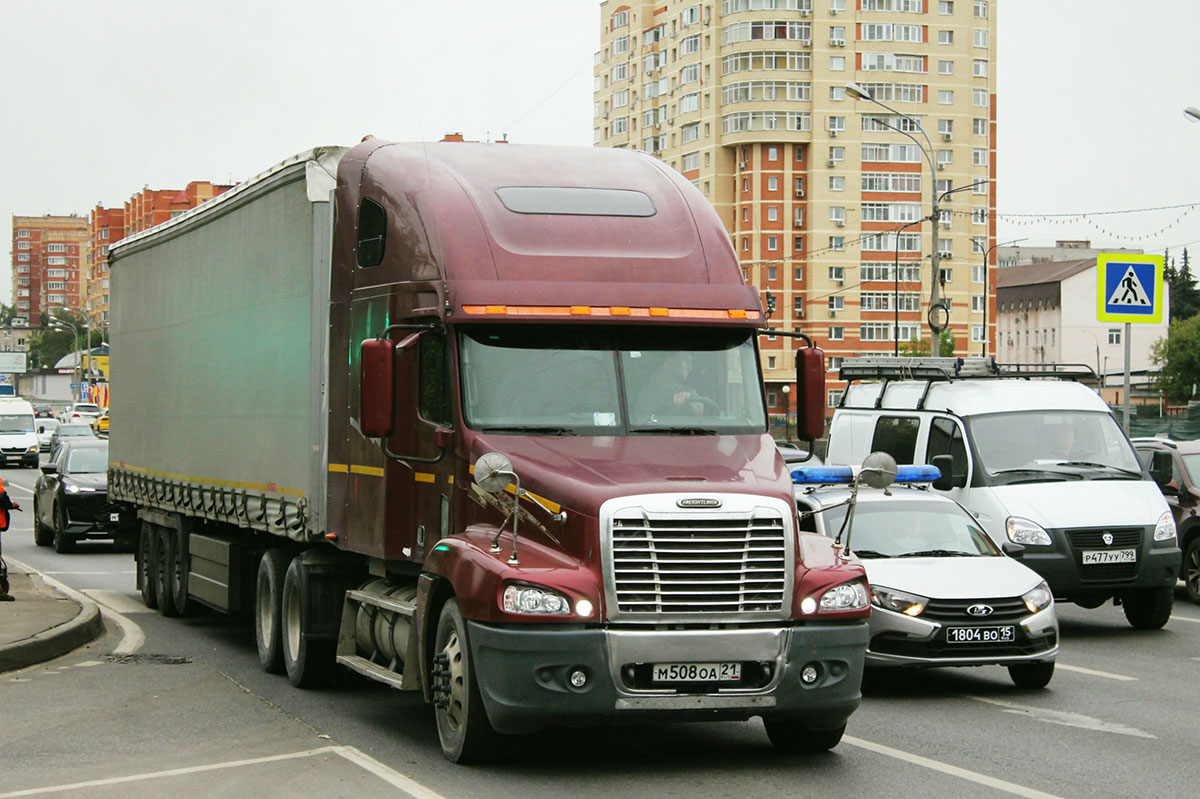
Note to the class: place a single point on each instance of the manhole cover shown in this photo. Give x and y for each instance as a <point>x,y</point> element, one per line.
<point>162,660</point>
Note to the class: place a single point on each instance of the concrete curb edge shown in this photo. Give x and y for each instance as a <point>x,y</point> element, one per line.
<point>87,626</point>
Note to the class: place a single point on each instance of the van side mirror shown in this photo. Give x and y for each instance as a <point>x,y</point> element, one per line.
<point>1013,550</point>
<point>950,477</point>
<point>810,393</point>
<point>1161,467</point>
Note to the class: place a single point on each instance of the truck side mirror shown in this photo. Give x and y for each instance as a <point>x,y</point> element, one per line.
<point>950,477</point>
<point>1161,467</point>
<point>377,387</point>
<point>810,393</point>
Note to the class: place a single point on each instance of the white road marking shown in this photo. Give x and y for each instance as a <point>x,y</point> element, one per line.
<point>117,601</point>
<point>1064,718</point>
<point>1094,673</point>
<point>349,753</point>
<point>18,485</point>
<point>1177,617</point>
<point>945,768</point>
<point>91,574</point>
<point>131,635</point>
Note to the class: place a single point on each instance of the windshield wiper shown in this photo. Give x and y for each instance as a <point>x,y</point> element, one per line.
<point>937,553</point>
<point>529,428</point>
<point>1093,465</point>
<point>676,431</point>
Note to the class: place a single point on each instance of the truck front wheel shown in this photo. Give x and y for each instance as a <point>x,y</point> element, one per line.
<point>463,727</point>
<point>1149,608</point>
<point>788,735</point>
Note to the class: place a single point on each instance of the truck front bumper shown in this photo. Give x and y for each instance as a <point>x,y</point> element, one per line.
<point>525,675</point>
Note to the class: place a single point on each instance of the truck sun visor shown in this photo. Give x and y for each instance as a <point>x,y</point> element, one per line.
<point>575,201</point>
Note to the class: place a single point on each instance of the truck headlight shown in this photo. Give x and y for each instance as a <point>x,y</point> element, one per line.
<point>531,599</point>
<point>1165,529</point>
<point>1025,532</point>
<point>847,596</point>
<point>1038,598</point>
<point>898,601</point>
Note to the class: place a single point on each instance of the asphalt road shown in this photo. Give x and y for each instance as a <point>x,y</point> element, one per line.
<point>192,714</point>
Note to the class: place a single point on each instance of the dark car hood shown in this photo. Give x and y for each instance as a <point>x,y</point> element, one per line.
<point>97,481</point>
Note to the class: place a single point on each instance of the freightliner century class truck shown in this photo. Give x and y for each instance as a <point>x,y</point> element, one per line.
<point>483,421</point>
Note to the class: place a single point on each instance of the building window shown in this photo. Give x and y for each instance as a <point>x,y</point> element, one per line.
<point>772,213</point>
<point>798,271</point>
<point>745,244</point>
<point>981,37</point>
<point>837,93</point>
<point>620,126</point>
<point>837,213</point>
<point>837,333</point>
<point>945,67</point>
<point>837,154</point>
<point>946,97</point>
<point>690,161</point>
<point>837,242</point>
<point>835,397</point>
<point>835,363</point>
<point>981,9</point>
<point>772,245</point>
<point>977,273</point>
<point>798,305</point>
<point>620,45</point>
<point>980,68</point>
<point>979,98</point>
<point>619,20</point>
<point>837,63</point>
<point>1114,335</point>
<point>976,303</point>
<point>979,127</point>
<point>773,183</point>
<point>837,273</point>
<point>620,72</point>
<point>979,157</point>
<point>837,183</point>
<point>946,127</point>
<point>690,16</point>
<point>945,37</point>
<point>945,6</point>
<point>689,102</point>
<point>976,332</point>
<point>837,303</point>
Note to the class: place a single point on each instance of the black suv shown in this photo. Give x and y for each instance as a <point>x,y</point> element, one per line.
<point>1182,492</point>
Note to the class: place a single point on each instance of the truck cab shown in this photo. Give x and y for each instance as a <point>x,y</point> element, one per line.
<point>1037,458</point>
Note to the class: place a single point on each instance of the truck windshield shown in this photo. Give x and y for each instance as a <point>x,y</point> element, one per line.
<point>634,381</point>
<point>1052,445</point>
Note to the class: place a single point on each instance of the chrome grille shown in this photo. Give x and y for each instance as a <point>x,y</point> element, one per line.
<point>698,563</point>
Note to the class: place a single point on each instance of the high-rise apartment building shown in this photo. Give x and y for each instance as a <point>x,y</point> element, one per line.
<point>47,265</point>
<point>823,194</point>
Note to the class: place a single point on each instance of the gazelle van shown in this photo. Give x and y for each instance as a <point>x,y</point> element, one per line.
<point>1037,458</point>
<point>18,441</point>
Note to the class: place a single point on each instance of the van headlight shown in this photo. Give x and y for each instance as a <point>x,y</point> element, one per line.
<point>1165,529</point>
<point>1038,598</point>
<point>1025,532</point>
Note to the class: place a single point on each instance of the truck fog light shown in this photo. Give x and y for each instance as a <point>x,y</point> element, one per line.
<point>809,675</point>
<point>578,679</point>
<point>583,609</point>
<point>809,605</point>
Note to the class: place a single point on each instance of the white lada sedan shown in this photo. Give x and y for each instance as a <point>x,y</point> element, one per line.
<point>943,594</point>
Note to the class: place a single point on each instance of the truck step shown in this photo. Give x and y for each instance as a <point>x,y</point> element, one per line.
<point>385,602</point>
<point>372,670</point>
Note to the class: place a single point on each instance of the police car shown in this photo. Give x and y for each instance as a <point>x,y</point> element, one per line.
<point>942,593</point>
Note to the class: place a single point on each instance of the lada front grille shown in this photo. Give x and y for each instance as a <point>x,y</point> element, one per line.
<point>699,565</point>
<point>954,611</point>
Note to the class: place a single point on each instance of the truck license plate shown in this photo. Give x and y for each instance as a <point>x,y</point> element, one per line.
<point>697,672</point>
<point>114,517</point>
<point>981,635</point>
<point>1109,556</point>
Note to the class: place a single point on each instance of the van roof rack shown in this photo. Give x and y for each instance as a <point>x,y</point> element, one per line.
<point>931,370</point>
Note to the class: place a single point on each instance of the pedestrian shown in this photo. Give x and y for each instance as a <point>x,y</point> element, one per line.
<point>6,504</point>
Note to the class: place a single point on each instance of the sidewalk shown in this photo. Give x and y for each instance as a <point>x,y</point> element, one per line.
<point>42,623</point>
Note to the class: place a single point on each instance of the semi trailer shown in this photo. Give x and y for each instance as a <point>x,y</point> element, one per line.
<point>485,422</point>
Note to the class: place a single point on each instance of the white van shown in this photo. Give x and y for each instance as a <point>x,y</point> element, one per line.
<point>18,441</point>
<point>1039,460</point>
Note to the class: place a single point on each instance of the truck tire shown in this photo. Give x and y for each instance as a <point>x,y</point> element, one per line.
<point>1189,570</point>
<point>43,536</point>
<point>309,661</point>
<point>268,609</point>
<point>147,571</point>
<point>177,576</point>
<point>789,735</point>
<point>62,539</point>
<point>1148,608</point>
<point>463,728</point>
<point>1031,675</point>
<point>162,572</point>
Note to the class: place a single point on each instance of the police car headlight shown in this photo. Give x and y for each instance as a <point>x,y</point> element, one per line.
<point>1024,532</point>
<point>1165,529</point>
<point>898,601</point>
<point>1038,598</point>
<point>847,596</point>
<point>531,599</point>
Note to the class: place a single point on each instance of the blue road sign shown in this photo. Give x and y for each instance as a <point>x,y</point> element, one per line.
<point>1129,288</point>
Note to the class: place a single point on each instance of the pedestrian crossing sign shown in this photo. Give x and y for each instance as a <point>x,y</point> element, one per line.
<point>1129,288</point>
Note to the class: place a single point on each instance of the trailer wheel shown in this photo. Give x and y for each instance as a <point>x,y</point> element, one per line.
<point>309,660</point>
<point>177,576</point>
<point>463,727</point>
<point>147,570</point>
<point>789,735</point>
<point>268,608</point>
<point>163,565</point>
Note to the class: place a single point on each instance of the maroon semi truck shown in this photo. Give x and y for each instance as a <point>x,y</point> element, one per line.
<point>485,422</point>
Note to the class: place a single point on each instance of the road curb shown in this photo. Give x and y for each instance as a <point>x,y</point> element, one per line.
<point>62,639</point>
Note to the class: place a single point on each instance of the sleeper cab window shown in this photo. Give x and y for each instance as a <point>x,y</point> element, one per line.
<point>372,232</point>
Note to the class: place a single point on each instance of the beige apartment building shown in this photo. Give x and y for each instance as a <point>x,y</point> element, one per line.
<point>823,194</point>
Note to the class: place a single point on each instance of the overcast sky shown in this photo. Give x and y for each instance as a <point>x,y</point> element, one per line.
<point>102,99</point>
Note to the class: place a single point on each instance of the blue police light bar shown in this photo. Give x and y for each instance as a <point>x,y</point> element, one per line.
<point>917,474</point>
<point>828,475</point>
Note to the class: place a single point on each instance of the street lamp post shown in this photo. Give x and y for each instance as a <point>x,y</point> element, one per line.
<point>858,92</point>
<point>896,288</point>
<point>787,412</point>
<point>62,324</point>
<point>987,253</point>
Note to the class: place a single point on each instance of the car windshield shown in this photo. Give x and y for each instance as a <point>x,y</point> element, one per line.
<point>87,460</point>
<point>1192,464</point>
<point>587,381</point>
<point>1052,445</point>
<point>16,423</point>
<point>909,529</point>
<point>47,425</point>
<point>74,430</point>
<point>86,408</point>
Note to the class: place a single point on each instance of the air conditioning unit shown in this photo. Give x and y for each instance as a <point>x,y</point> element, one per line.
<point>840,222</point>
<point>833,132</point>
<point>941,165</point>
<point>741,164</point>
<point>806,42</point>
<point>799,193</point>
<point>832,314</point>
<point>606,115</point>
<point>804,12</point>
<point>946,224</point>
<point>945,254</point>
<point>946,137</point>
<point>837,42</point>
<point>798,313</point>
<point>832,162</point>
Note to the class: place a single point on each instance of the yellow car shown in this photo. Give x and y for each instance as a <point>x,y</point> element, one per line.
<point>100,423</point>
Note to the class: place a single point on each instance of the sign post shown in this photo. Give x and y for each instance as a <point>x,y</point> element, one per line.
<point>1129,289</point>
